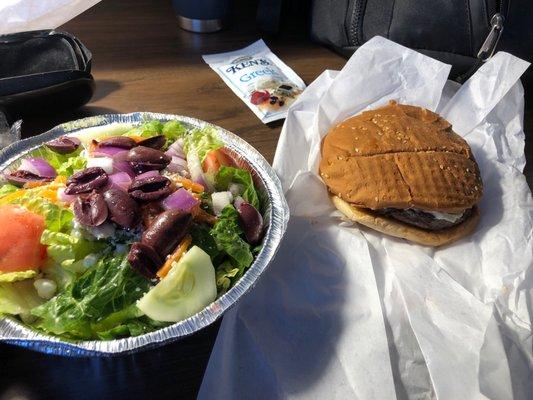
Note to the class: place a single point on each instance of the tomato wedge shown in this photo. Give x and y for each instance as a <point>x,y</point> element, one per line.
<point>215,159</point>
<point>20,239</point>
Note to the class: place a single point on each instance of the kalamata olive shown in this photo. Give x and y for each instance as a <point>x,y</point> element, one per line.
<point>123,210</point>
<point>86,180</point>
<point>150,188</point>
<point>64,144</point>
<point>251,222</point>
<point>91,209</point>
<point>122,142</point>
<point>144,260</point>
<point>20,178</point>
<point>149,213</point>
<point>144,159</point>
<point>155,142</point>
<point>167,230</point>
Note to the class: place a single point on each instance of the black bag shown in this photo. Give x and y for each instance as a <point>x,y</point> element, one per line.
<point>43,72</point>
<point>458,32</point>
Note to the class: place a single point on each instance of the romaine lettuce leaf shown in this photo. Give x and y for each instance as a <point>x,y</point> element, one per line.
<point>174,130</point>
<point>228,236</point>
<point>72,165</point>
<point>7,188</point>
<point>227,175</point>
<point>18,297</point>
<point>226,275</point>
<point>110,286</point>
<point>148,129</point>
<point>69,251</point>
<point>202,238</point>
<point>56,160</point>
<point>17,276</point>
<point>202,141</point>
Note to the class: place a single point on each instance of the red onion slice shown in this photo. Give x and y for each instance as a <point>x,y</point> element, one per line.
<point>65,198</point>
<point>181,199</point>
<point>38,166</point>
<point>120,180</point>
<point>148,174</point>
<point>177,165</point>
<point>107,151</point>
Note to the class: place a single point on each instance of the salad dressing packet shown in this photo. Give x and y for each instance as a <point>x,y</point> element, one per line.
<point>264,82</point>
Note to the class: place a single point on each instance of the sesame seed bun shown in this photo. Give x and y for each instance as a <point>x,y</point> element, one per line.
<point>401,157</point>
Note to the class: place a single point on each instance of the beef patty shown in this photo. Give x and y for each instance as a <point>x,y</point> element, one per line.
<point>422,219</point>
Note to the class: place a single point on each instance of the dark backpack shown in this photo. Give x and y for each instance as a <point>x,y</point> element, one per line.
<point>458,32</point>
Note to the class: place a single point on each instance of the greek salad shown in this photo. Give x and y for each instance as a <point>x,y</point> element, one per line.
<point>120,231</point>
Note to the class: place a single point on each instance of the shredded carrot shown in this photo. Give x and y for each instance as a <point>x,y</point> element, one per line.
<point>34,184</point>
<point>174,257</point>
<point>188,184</point>
<point>60,179</point>
<point>92,146</point>
<point>12,196</point>
<point>49,194</point>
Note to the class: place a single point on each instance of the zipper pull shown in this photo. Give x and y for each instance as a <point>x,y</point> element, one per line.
<point>489,45</point>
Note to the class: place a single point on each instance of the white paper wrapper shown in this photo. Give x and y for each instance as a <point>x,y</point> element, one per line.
<point>346,312</point>
<point>31,15</point>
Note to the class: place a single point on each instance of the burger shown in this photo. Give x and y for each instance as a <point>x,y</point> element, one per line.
<point>403,171</point>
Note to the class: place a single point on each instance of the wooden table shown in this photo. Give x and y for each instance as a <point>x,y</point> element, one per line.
<point>143,62</point>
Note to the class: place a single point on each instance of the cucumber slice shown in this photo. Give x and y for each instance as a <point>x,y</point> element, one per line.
<point>189,286</point>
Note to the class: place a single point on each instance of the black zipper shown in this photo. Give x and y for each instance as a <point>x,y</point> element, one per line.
<point>355,30</point>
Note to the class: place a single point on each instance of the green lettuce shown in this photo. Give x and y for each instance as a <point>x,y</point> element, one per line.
<point>107,288</point>
<point>174,130</point>
<point>72,165</point>
<point>69,251</point>
<point>226,276</point>
<point>7,189</point>
<point>148,129</point>
<point>229,238</point>
<point>201,237</point>
<point>17,276</point>
<point>229,175</point>
<point>18,298</point>
<point>202,141</point>
<point>56,160</point>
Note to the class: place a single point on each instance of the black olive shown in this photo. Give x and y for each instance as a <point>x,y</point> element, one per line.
<point>154,142</point>
<point>122,142</point>
<point>251,222</point>
<point>90,210</point>
<point>123,210</point>
<point>86,181</point>
<point>144,260</point>
<point>167,231</point>
<point>64,144</point>
<point>150,188</point>
<point>20,178</point>
<point>144,159</point>
<point>281,103</point>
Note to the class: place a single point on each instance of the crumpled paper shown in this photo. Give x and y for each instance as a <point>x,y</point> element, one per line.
<point>31,15</point>
<point>346,312</point>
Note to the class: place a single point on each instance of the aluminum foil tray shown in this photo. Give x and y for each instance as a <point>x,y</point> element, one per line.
<point>276,217</point>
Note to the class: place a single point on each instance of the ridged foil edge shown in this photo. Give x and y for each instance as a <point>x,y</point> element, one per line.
<point>277,213</point>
